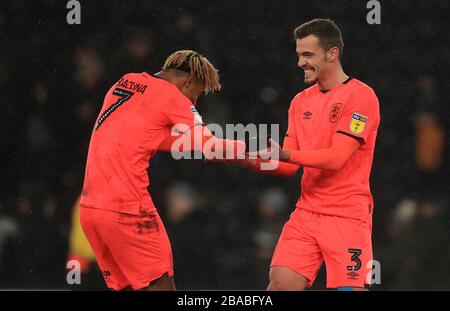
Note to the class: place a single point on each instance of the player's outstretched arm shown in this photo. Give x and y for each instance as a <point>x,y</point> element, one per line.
<point>199,138</point>
<point>333,158</point>
<point>227,151</point>
<point>267,166</point>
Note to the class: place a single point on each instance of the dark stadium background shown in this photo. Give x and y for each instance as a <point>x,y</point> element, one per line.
<point>223,221</point>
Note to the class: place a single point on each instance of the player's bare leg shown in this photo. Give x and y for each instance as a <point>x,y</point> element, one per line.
<point>164,283</point>
<point>283,278</point>
<point>359,289</point>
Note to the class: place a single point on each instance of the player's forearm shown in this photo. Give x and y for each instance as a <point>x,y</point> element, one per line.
<point>269,167</point>
<point>217,148</point>
<point>328,159</point>
<point>201,139</point>
<point>332,158</point>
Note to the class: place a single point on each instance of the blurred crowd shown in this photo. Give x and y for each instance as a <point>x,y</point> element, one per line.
<point>223,221</point>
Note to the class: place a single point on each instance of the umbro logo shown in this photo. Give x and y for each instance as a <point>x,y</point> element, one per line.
<point>307,115</point>
<point>352,275</point>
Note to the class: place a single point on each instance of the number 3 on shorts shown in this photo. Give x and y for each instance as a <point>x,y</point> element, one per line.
<point>355,258</point>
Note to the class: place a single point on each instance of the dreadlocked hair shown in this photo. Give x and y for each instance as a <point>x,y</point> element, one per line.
<point>197,65</point>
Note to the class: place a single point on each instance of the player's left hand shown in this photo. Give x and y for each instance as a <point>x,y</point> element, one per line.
<point>274,151</point>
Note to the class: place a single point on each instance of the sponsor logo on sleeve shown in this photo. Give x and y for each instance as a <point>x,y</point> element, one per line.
<point>197,116</point>
<point>358,123</point>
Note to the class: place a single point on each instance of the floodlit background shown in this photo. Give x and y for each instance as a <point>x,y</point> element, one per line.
<point>223,221</point>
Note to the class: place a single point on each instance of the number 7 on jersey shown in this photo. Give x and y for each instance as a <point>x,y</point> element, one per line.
<point>124,95</point>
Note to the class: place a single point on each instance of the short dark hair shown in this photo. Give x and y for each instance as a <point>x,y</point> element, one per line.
<point>325,29</point>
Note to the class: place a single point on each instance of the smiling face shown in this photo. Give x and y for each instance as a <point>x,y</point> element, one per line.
<point>313,58</point>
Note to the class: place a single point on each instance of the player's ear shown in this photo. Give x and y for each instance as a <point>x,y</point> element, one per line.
<point>189,82</point>
<point>184,82</point>
<point>333,54</point>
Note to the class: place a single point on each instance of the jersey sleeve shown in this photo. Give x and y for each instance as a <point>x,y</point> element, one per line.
<point>181,113</point>
<point>290,140</point>
<point>188,132</point>
<point>360,115</point>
